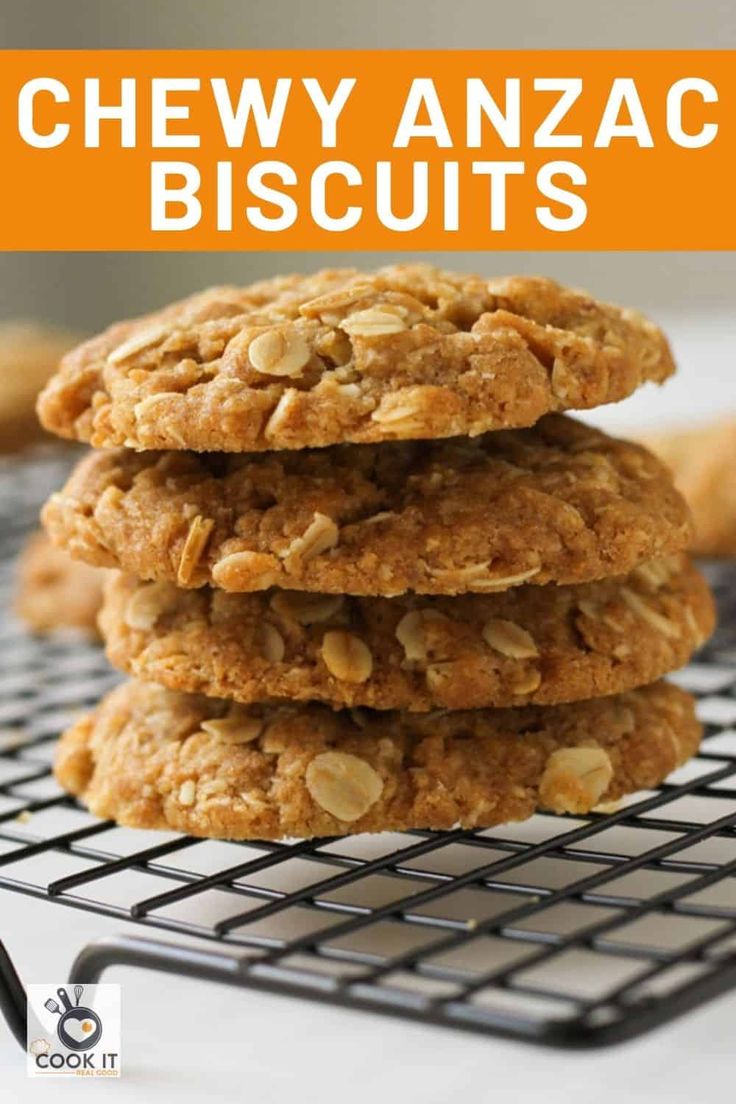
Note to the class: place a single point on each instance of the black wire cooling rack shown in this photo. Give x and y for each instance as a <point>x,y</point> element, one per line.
<point>571,932</point>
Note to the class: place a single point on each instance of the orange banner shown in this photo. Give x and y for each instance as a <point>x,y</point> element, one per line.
<point>410,150</point>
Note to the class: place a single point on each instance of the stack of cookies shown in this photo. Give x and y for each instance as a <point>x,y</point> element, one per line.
<point>369,575</point>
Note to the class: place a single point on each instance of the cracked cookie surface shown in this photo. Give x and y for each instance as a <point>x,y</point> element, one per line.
<point>560,502</point>
<point>407,352</point>
<point>531,644</point>
<point>153,758</point>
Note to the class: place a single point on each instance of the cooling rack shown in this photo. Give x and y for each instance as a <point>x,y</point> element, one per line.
<point>566,931</point>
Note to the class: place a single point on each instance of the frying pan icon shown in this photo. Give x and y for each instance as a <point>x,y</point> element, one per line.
<point>79,1028</point>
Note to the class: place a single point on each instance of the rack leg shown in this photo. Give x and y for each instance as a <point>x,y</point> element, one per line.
<point>123,950</point>
<point>120,950</point>
<point>12,997</point>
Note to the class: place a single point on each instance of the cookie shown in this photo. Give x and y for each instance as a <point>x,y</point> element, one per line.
<point>56,592</point>
<point>407,352</point>
<point>560,502</point>
<point>29,354</point>
<point>153,758</point>
<point>531,644</point>
<point>703,462</point>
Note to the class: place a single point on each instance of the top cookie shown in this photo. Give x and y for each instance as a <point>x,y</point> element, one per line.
<point>559,503</point>
<point>407,352</point>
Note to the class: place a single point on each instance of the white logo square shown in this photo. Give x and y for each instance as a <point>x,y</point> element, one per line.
<point>73,1030</point>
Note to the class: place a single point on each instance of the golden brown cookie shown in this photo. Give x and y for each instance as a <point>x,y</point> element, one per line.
<point>531,644</point>
<point>29,353</point>
<point>55,591</point>
<point>153,758</point>
<point>407,352</point>
<point>703,462</point>
<point>559,502</point>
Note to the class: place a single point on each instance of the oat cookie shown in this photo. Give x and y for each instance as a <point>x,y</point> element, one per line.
<point>152,758</point>
<point>530,644</point>
<point>55,591</point>
<point>407,352</point>
<point>703,462</point>
<point>559,502</point>
<point>29,354</point>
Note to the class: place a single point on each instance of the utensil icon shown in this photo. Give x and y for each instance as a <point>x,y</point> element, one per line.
<point>73,1015</point>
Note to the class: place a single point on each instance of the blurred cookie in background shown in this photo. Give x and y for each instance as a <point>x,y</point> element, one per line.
<point>56,592</point>
<point>703,461</point>
<point>29,354</point>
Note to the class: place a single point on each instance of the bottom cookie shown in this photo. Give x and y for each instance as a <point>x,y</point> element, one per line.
<point>153,758</point>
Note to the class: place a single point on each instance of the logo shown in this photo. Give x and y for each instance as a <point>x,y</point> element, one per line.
<point>73,1032</point>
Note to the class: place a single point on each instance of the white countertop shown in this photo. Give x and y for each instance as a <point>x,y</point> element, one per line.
<point>191,1040</point>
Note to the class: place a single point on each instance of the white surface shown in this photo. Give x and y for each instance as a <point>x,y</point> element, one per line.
<point>704,387</point>
<point>193,1041</point>
<point>188,1040</point>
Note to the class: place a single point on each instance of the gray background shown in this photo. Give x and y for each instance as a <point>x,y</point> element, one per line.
<point>86,290</point>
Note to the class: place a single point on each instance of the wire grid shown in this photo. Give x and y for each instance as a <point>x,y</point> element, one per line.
<point>569,931</point>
